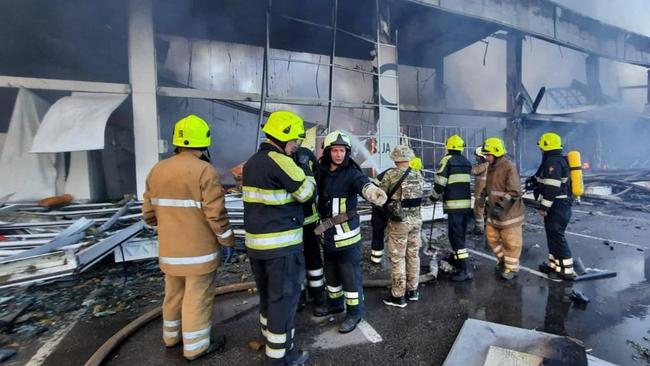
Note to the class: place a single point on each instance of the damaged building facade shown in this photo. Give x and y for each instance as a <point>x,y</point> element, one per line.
<point>101,84</point>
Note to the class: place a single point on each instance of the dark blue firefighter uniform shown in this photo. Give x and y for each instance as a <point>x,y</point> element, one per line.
<point>554,190</point>
<point>274,190</point>
<point>378,222</point>
<point>337,194</point>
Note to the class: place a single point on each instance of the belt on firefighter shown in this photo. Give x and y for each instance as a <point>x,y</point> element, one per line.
<point>331,221</point>
<point>411,202</point>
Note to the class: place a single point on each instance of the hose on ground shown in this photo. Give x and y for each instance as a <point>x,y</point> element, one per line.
<point>114,341</point>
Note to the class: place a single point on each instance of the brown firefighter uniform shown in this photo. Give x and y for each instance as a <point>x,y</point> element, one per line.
<point>184,198</point>
<point>404,236</point>
<point>505,213</point>
<point>479,171</point>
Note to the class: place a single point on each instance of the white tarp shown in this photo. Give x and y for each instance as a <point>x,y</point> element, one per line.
<point>76,123</point>
<point>31,176</point>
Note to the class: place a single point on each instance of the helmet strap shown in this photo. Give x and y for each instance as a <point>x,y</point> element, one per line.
<point>280,144</point>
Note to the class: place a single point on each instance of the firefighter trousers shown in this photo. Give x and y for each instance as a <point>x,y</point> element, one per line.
<point>187,312</point>
<point>456,230</point>
<point>278,282</point>
<point>555,224</point>
<point>378,221</point>
<point>344,282</point>
<point>506,245</point>
<point>313,263</point>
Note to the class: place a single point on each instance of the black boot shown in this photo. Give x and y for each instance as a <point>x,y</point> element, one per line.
<point>399,302</point>
<point>325,310</point>
<point>545,268</point>
<point>463,273</point>
<point>296,357</point>
<point>350,323</point>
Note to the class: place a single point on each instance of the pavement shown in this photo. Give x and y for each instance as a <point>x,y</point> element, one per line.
<point>613,325</point>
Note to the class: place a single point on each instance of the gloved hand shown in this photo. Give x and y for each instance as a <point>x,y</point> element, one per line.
<point>530,184</point>
<point>435,196</point>
<point>374,194</point>
<point>301,158</point>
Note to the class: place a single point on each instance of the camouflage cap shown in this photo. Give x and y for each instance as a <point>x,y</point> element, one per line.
<point>402,153</point>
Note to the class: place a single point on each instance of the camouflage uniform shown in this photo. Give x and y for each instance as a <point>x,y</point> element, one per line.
<point>404,236</point>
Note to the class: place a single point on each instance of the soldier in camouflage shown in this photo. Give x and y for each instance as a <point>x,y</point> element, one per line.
<point>404,226</point>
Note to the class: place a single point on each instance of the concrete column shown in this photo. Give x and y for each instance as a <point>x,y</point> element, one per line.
<point>143,78</point>
<point>592,70</point>
<point>388,128</point>
<point>513,82</point>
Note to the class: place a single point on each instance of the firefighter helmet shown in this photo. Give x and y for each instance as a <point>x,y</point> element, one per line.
<point>416,163</point>
<point>191,131</point>
<point>284,126</point>
<point>455,142</point>
<point>494,146</point>
<point>550,141</point>
<point>337,138</point>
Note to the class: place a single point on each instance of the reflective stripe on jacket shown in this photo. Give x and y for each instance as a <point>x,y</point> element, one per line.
<point>453,183</point>
<point>184,198</point>
<point>553,178</point>
<point>274,190</point>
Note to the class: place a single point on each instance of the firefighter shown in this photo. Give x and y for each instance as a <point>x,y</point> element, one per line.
<point>403,186</point>
<point>378,222</point>
<point>479,171</point>
<point>274,191</point>
<point>505,209</point>
<point>452,184</point>
<point>184,198</point>
<point>339,181</point>
<point>306,159</point>
<point>553,188</point>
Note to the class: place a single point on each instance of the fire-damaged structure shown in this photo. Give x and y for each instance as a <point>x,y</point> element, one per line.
<point>374,68</point>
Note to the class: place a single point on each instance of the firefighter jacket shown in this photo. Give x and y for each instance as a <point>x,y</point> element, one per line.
<point>306,159</point>
<point>408,197</point>
<point>553,179</point>
<point>274,190</point>
<point>479,171</point>
<point>453,183</point>
<point>184,198</point>
<point>337,194</point>
<point>505,206</point>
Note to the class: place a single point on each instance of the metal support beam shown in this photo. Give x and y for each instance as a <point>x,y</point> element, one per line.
<point>265,74</point>
<point>64,85</point>
<point>513,82</point>
<point>143,78</point>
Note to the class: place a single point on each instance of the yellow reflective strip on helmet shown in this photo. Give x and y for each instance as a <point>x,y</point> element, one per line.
<point>274,240</point>
<point>459,178</point>
<point>288,166</point>
<point>266,196</point>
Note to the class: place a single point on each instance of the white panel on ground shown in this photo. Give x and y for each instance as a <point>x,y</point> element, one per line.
<point>498,356</point>
<point>76,123</point>
<point>31,176</point>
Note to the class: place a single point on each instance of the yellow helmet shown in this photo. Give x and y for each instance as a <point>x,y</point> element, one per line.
<point>550,141</point>
<point>416,163</point>
<point>284,126</point>
<point>191,131</point>
<point>455,142</point>
<point>479,151</point>
<point>494,146</point>
<point>337,138</point>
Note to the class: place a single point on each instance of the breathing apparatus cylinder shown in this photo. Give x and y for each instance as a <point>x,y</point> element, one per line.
<point>575,166</point>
